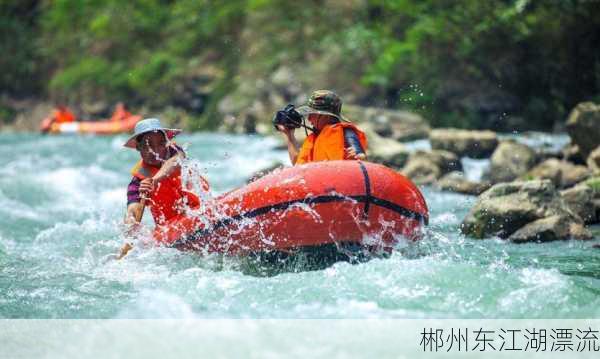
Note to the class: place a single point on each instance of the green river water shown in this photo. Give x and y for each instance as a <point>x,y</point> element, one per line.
<point>62,201</point>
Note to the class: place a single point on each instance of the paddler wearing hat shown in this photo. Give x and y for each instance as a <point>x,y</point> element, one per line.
<point>156,178</point>
<point>333,137</point>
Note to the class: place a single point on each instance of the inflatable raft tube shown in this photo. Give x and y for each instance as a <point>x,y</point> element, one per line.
<point>306,206</point>
<point>106,127</point>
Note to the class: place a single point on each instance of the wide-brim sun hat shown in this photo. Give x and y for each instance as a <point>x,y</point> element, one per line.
<point>149,125</point>
<point>323,102</point>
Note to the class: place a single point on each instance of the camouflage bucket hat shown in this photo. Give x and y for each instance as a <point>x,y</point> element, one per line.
<point>323,102</point>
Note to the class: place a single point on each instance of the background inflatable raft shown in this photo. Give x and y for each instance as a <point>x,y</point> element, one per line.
<point>104,127</point>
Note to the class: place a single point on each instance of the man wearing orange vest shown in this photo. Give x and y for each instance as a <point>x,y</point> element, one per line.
<point>333,137</point>
<point>62,114</point>
<point>156,180</point>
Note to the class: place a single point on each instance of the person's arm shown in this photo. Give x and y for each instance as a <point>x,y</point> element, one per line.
<point>134,202</point>
<point>133,214</point>
<point>354,149</point>
<point>170,165</point>
<point>174,163</point>
<point>292,143</point>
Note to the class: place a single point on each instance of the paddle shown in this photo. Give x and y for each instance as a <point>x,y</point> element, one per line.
<point>138,219</point>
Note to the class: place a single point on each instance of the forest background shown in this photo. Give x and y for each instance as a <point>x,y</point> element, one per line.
<point>499,64</point>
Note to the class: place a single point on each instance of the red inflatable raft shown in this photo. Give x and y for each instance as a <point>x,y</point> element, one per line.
<point>306,206</point>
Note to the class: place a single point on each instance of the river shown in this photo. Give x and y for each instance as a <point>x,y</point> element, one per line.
<point>62,200</point>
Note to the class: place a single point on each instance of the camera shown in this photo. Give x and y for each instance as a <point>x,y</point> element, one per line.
<point>287,117</point>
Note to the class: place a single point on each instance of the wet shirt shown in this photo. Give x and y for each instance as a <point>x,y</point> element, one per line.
<point>133,189</point>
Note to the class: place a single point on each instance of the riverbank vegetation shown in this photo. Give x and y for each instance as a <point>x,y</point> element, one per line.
<point>498,64</point>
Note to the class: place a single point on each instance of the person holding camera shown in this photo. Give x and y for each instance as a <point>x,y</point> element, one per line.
<point>332,137</point>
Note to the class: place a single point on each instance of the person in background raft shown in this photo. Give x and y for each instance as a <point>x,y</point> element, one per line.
<point>120,113</point>
<point>333,137</point>
<point>60,114</point>
<point>156,180</point>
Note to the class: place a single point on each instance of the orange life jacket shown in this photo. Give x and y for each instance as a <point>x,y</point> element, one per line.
<point>168,199</point>
<point>63,116</point>
<point>329,144</point>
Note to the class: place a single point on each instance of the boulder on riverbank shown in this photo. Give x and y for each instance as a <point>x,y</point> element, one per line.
<point>394,124</point>
<point>523,211</point>
<point>593,161</point>
<point>573,154</point>
<point>580,200</point>
<point>384,150</point>
<point>475,144</point>
<point>551,228</point>
<point>28,114</point>
<point>583,126</point>
<point>594,184</point>
<point>456,182</point>
<point>511,160</point>
<point>562,173</point>
<point>425,167</point>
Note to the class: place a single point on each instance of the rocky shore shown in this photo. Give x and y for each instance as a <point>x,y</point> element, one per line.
<point>528,194</point>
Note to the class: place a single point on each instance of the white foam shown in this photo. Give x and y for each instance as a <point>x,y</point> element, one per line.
<point>158,304</point>
<point>475,168</point>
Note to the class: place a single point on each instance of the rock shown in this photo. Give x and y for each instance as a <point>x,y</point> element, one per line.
<point>510,160</point>
<point>499,217</point>
<point>394,124</point>
<point>286,82</point>
<point>594,184</point>
<point>578,231</point>
<point>544,153</point>
<point>580,201</point>
<point>192,93</point>
<point>421,171</point>
<point>393,158</point>
<point>29,114</point>
<point>507,207</point>
<point>249,125</point>
<point>550,229</point>
<point>573,154</point>
<point>97,109</point>
<point>425,167</point>
<point>446,161</point>
<point>475,144</point>
<point>230,105</point>
<point>282,77</point>
<point>384,150</point>
<point>562,173</point>
<point>583,125</point>
<point>593,161</point>
<point>456,182</point>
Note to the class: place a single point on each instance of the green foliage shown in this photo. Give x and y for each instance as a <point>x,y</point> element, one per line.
<point>7,115</point>
<point>463,63</point>
<point>594,184</point>
<point>492,57</point>
<point>19,61</point>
